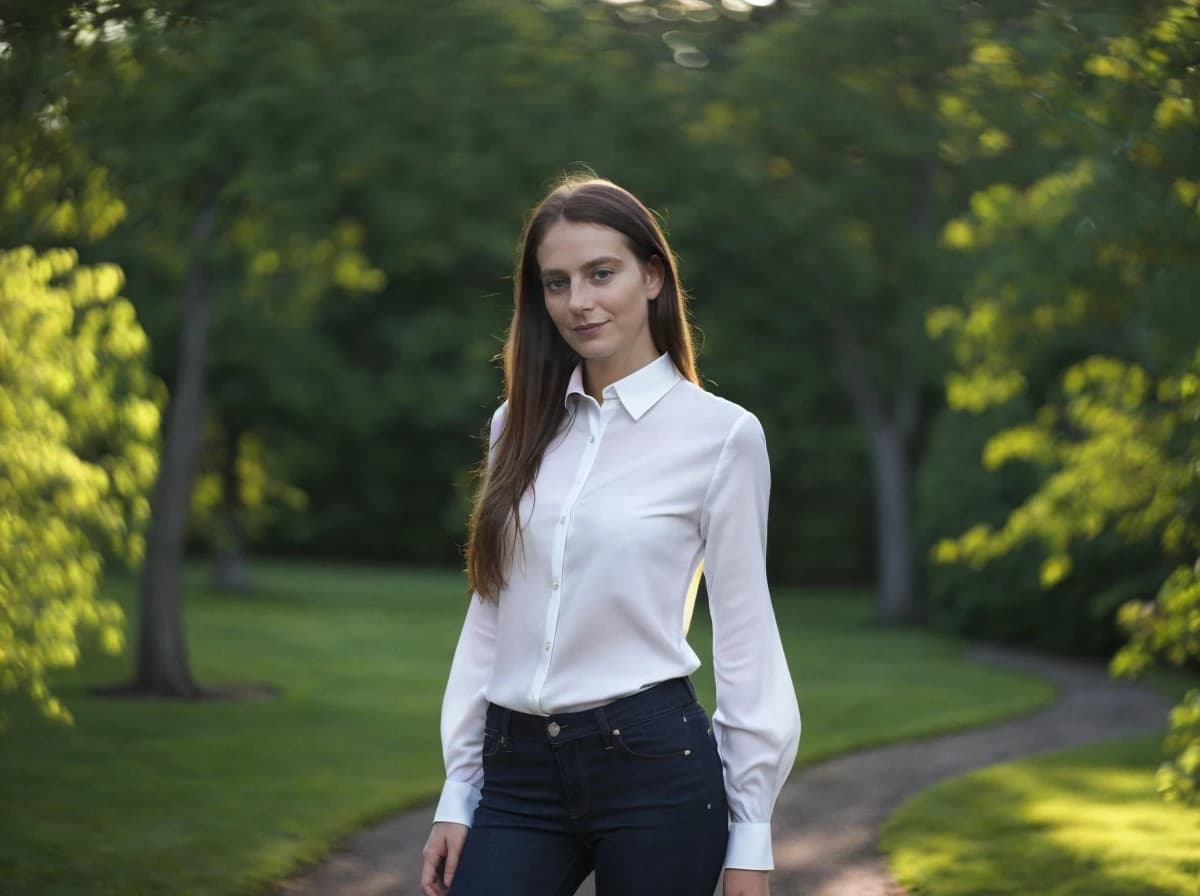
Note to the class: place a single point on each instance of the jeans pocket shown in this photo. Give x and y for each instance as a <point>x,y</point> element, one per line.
<point>666,735</point>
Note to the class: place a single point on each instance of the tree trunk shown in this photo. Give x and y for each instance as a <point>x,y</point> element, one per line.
<point>162,651</point>
<point>890,436</point>
<point>230,570</point>
<point>893,525</point>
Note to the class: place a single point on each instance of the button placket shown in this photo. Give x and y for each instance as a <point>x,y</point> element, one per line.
<point>595,418</point>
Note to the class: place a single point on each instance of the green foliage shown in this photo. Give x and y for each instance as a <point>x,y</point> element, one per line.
<point>843,168</point>
<point>238,476</point>
<point>1004,599</point>
<point>78,424</point>
<point>1169,627</point>
<point>1106,246</point>
<point>1116,455</point>
<point>51,192</point>
<point>1178,776</point>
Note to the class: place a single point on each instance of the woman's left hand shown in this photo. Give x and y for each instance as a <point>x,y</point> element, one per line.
<point>743,882</point>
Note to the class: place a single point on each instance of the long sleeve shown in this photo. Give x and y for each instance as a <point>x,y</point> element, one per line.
<point>463,708</point>
<point>757,719</point>
<point>464,704</point>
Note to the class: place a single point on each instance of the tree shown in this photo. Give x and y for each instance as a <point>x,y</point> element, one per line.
<point>222,206</point>
<point>830,120</point>
<point>78,422</point>
<point>79,409</point>
<point>1107,246</point>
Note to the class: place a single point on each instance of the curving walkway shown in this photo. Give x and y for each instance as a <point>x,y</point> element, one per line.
<point>828,817</point>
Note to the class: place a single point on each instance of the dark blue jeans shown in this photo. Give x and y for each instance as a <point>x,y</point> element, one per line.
<point>633,789</point>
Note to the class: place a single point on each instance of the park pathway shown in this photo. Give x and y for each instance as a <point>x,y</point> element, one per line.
<point>827,819</point>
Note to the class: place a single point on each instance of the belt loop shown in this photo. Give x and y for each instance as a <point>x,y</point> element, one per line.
<point>605,731</point>
<point>691,688</point>
<point>505,725</point>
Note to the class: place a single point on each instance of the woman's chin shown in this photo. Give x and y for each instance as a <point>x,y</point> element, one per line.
<point>588,349</point>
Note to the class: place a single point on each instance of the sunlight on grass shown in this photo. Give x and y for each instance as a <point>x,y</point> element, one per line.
<point>1087,822</point>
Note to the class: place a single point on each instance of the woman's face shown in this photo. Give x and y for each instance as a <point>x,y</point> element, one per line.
<point>598,296</point>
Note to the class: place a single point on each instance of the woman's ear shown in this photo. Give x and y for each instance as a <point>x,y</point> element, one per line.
<point>654,275</point>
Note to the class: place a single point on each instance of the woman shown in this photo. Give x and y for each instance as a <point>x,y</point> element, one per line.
<point>571,733</point>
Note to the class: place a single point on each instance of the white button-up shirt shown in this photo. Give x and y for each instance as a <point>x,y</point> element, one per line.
<point>634,498</point>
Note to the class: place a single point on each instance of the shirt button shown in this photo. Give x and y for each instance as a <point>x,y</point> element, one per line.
<point>562,519</point>
<point>546,646</point>
<point>591,439</point>
<point>556,584</point>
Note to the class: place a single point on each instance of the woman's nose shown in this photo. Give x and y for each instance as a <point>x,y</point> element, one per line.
<point>581,297</point>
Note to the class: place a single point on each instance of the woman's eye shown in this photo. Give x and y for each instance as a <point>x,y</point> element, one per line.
<point>554,285</point>
<point>604,271</point>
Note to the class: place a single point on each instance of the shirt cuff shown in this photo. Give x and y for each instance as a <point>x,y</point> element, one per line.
<point>749,846</point>
<point>458,803</point>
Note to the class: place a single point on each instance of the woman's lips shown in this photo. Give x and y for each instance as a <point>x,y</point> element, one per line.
<point>590,329</point>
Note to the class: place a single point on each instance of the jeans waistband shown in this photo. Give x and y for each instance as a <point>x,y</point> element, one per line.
<point>562,727</point>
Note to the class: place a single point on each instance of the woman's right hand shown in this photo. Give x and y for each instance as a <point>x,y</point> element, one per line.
<point>441,854</point>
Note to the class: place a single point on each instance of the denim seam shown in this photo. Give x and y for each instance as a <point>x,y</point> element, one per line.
<point>695,710</point>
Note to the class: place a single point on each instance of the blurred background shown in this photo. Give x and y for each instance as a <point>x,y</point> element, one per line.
<point>255,271</point>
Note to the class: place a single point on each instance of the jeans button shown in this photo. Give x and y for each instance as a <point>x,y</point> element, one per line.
<point>553,728</point>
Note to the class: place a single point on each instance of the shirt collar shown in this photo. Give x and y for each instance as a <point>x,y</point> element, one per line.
<point>639,391</point>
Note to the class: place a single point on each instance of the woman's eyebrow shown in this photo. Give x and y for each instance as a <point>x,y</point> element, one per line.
<point>607,259</point>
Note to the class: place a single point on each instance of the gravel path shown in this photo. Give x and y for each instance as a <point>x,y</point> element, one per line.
<point>828,817</point>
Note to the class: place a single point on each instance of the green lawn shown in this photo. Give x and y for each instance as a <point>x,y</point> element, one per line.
<point>1086,822</point>
<point>154,797</point>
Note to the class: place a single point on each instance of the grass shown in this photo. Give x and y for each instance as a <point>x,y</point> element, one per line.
<point>1086,822</point>
<point>221,798</point>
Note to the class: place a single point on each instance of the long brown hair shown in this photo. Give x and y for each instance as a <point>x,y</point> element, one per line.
<point>538,362</point>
